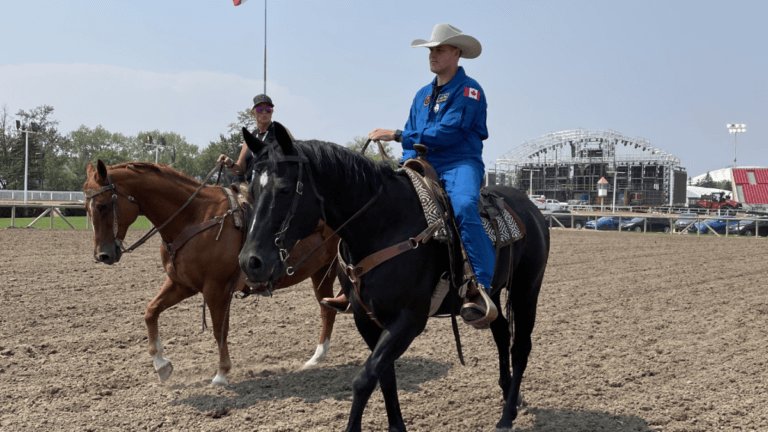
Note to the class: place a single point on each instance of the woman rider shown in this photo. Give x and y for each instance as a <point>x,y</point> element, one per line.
<point>262,110</point>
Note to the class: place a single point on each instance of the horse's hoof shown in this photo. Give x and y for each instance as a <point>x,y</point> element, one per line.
<point>520,401</point>
<point>165,371</point>
<point>219,380</point>
<point>320,352</point>
<point>310,365</point>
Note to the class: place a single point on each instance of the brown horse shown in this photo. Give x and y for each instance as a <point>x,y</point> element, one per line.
<point>207,261</point>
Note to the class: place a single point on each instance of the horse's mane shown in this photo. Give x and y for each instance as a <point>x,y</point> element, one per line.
<point>342,164</point>
<point>163,170</point>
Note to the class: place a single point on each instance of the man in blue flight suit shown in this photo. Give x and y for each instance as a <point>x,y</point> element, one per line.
<point>448,116</point>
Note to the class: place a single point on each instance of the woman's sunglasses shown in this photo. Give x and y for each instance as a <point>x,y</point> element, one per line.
<point>262,109</point>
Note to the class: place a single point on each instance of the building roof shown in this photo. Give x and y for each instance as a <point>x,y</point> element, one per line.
<point>751,185</point>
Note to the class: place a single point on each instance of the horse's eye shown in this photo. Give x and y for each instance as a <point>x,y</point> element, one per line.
<point>285,191</point>
<point>102,208</point>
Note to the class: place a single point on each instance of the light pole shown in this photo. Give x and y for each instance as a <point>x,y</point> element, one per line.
<point>33,128</point>
<point>615,173</point>
<point>156,146</point>
<point>735,128</point>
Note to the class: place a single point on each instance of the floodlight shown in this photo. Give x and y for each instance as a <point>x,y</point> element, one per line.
<point>736,128</point>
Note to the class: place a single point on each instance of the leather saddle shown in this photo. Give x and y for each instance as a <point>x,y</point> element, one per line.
<point>501,223</point>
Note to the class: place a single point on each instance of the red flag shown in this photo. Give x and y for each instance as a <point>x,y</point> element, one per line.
<point>239,2</point>
<point>472,93</point>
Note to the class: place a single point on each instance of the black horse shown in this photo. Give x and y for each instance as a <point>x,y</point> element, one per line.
<point>298,183</point>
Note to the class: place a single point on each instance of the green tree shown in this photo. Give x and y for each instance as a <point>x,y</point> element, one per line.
<point>707,181</point>
<point>244,120</point>
<point>90,145</point>
<point>176,151</point>
<point>46,148</point>
<point>724,184</point>
<point>229,145</point>
<point>372,151</point>
<point>7,140</point>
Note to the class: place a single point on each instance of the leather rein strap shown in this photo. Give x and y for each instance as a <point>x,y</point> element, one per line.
<point>192,231</point>
<point>354,273</point>
<point>93,192</point>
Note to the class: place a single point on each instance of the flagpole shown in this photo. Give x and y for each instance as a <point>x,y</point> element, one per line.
<point>265,46</point>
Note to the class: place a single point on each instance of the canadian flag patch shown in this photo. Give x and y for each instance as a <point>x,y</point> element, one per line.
<point>472,93</point>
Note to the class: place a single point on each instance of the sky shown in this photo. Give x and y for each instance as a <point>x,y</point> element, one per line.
<point>674,72</point>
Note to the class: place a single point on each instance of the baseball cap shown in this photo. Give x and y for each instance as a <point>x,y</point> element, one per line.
<point>262,98</point>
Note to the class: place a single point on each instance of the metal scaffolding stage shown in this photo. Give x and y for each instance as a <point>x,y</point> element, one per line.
<point>567,165</point>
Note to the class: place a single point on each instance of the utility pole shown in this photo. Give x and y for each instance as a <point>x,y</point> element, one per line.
<point>33,128</point>
<point>156,146</point>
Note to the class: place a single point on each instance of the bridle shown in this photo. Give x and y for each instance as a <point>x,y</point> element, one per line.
<point>90,193</point>
<point>299,191</point>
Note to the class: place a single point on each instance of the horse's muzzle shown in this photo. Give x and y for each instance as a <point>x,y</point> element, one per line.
<point>109,254</point>
<point>259,271</point>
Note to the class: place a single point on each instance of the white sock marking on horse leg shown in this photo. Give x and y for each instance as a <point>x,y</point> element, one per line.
<point>163,366</point>
<point>219,380</point>
<point>320,353</point>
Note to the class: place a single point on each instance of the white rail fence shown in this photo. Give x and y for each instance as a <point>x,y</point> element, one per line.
<point>18,195</point>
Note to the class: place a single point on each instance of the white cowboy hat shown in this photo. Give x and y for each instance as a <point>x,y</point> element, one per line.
<point>446,34</point>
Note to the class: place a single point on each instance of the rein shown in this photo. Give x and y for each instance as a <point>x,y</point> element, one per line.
<point>89,194</point>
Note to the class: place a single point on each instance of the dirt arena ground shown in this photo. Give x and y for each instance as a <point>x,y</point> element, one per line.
<point>635,332</point>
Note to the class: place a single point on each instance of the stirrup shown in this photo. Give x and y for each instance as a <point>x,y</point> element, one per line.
<point>339,303</point>
<point>471,312</point>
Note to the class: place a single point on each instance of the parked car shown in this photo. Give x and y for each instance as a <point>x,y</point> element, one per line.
<point>638,224</point>
<point>539,200</point>
<point>605,223</point>
<point>747,228</point>
<point>718,225</point>
<point>684,220</point>
<point>564,217</point>
<point>553,204</point>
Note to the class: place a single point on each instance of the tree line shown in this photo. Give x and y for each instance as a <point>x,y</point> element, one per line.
<point>709,182</point>
<point>57,161</point>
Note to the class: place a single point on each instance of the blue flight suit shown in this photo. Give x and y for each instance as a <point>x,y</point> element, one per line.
<point>451,123</point>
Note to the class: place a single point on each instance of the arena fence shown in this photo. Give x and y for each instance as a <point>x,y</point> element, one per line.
<point>50,210</point>
<point>18,195</point>
<point>555,223</point>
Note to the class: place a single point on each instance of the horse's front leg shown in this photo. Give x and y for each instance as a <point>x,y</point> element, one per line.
<point>322,280</point>
<point>217,297</point>
<point>170,294</point>
<point>387,346</point>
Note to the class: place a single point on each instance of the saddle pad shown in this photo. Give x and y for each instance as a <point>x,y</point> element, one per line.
<point>431,209</point>
<point>509,232</point>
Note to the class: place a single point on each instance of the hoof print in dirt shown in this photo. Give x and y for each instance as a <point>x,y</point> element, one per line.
<point>218,412</point>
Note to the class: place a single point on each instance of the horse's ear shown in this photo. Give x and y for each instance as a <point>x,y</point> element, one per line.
<point>89,169</point>
<point>101,167</point>
<point>283,138</point>
<point>253,143</point>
